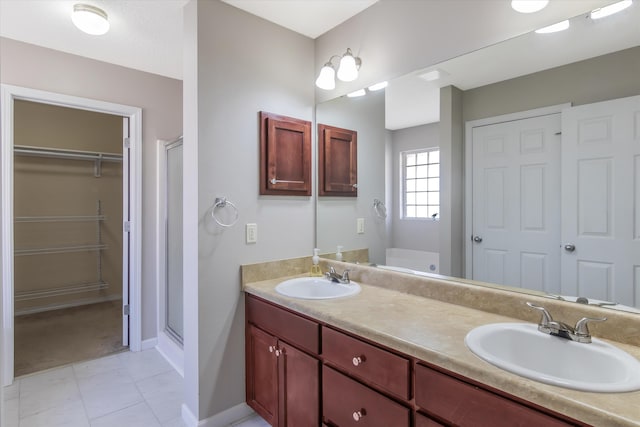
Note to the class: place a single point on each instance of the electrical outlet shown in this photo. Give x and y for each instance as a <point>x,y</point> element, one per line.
<point>252,233</point>
<point>360,225</point>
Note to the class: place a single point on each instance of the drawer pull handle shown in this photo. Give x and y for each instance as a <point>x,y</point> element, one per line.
<point>357,416</point>
<point>358,360</point>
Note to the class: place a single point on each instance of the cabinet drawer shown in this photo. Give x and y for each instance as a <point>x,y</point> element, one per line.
<point>346,403</point>
<point>370,363</point>
<point>422,421</point>
<point>465,405</point>
<point>292,328</point>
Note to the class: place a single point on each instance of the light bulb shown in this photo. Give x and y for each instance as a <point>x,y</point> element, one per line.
<point>528,6</point>
<point>90,19</point>
<point>348,70</point>
<point>326,80</point>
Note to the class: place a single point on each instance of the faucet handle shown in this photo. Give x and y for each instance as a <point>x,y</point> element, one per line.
<point>345,276</point>
<point>582,328</point>
<point>546,316</point>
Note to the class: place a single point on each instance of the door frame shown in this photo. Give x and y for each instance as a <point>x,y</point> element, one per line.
<point>468,140</point>
<point>9,93</point>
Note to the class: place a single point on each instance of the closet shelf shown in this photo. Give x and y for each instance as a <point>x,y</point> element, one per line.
<point>59,250</point>
<point>59,153</point>
<point>62,218</point>
<point>63,290</point>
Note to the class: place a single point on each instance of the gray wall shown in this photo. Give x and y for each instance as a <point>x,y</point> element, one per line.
<point>244,65</point>
<point>336,218</point>
<point>159,97</point>
<point>616,75</point>
<point>421,235</point>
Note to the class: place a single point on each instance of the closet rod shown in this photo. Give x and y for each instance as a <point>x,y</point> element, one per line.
<point>59,153</point>
<point>64,290</point>
<point>59,250</point>
<point>62,218</point>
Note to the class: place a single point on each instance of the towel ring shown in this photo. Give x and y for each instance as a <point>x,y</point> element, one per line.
<point>379,208</point>
<point>222,202</point>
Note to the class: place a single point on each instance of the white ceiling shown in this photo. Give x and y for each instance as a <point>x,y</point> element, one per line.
<point>147,34</point>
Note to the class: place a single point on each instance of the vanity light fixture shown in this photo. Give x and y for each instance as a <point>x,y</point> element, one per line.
<point>528,6</point>
<point>347,70</point>
<point>357,93</point>
<point>560,26</point>
<point>378,86</point>
<point>90,19</point>
<point>611,9</point>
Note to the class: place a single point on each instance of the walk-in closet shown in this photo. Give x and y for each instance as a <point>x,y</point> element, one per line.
<point>68,253</point>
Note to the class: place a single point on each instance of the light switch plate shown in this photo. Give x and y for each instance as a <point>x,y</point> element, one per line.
<point>360,225</point>
<point>251,232</point>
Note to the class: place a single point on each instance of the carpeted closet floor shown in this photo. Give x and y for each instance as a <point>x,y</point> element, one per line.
<point>54,338</point>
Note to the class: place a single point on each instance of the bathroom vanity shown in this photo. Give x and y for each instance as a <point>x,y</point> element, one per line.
<point>391,358</point>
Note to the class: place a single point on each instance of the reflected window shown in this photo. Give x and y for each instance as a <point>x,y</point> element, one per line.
<point>421,184</point>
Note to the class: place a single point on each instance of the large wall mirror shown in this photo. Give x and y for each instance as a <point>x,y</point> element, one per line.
<point>480,165</point>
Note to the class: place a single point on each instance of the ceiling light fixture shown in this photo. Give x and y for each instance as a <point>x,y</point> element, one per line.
<point>378,86</point>
<point>528,6</point>
<point>357,93</point>
<point>347,70</point>
<point>611,9</point>
<point>90,19</point>
<point>560,26</point>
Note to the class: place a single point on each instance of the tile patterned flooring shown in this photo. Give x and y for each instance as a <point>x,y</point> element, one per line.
<point>127,389</point>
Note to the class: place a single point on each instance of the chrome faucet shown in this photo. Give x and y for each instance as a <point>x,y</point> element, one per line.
<point>335,277</point>
<point>579,333</point>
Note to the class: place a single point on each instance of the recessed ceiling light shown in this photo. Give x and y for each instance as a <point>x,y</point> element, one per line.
<point>611,9</point>
<point>90,19</point>
<point>357,93</point>
<point>560,26</point>
<point>378,86</point>
<point>528,6</point>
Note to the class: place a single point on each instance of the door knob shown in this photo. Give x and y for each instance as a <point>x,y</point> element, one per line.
<point>477,239</point>
<point>569,248</point>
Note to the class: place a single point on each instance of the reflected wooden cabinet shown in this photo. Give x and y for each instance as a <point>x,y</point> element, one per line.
<point>285,155</point>
<point>337,161</point>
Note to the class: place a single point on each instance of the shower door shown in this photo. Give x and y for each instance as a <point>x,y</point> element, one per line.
<point>173,324</point>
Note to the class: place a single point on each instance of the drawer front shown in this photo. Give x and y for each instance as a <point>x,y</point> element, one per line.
<point>373,365</point>
<point>422,421</point>
<point>465,405</point>
<point>292,328</point>
<point>347,403</point>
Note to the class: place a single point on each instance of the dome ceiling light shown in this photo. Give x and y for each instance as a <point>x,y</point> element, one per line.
<point>528,6</point>
<point>90,19</point>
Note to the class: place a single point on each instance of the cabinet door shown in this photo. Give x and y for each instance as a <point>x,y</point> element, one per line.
<point>422,421</point>
<point>299,388</point>
<point>337,161</point>
<point>262,374</point>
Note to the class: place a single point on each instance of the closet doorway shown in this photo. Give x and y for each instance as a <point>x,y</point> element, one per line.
<point>70,248</point>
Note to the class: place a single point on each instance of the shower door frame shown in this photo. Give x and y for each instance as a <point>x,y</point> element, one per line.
<point>132,209</point>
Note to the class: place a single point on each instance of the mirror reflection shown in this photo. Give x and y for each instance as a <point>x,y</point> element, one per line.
<point>516,164</point>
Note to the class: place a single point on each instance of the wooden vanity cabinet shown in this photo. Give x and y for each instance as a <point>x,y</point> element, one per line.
<point>282,379</point>
<point>462,404</point>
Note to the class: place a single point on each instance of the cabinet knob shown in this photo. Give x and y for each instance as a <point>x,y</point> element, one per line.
<point>357,416</point>
<point>358,360</point>
<point>279,352</point>
<point>271,348</point>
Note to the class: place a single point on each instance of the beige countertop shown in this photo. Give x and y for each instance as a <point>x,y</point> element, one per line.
<point>434,331</point>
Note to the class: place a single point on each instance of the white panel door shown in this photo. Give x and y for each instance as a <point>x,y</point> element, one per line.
<point>601,188</point>
<point>516,203</point>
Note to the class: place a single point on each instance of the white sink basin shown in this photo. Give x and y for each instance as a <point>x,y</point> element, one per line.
<point>316,288</point>
<point>520,348</point>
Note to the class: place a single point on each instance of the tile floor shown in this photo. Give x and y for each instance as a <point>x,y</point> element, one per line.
<point>127,389</point>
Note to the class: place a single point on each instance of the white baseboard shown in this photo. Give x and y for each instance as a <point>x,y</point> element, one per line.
<point>149,343</point>
<point>172,352</point>
<point>222,419</point>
